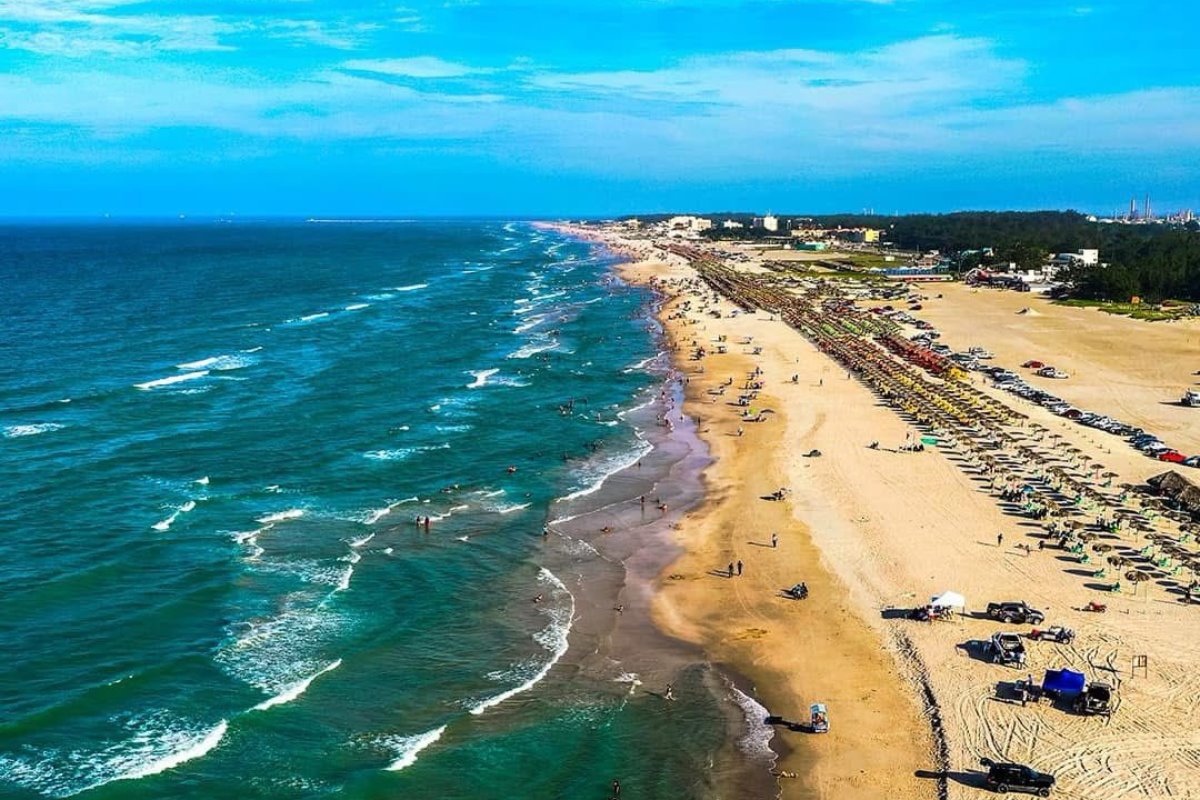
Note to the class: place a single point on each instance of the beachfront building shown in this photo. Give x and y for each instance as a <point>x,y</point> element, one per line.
<point>731,225</point>
<point>686,227</point>
<point>860,235</point>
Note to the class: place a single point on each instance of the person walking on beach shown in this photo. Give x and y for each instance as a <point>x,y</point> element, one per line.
<point>739,568</point>
<point>999,540</point>
<point>731,569</point>
<point>774,540</point>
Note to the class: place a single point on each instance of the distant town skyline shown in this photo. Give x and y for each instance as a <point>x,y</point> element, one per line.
<point>536,108</point>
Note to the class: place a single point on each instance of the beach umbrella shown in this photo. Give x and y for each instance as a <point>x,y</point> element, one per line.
<point>1137,576</point>
<point>1101,547</point>
<point>1118,561</point>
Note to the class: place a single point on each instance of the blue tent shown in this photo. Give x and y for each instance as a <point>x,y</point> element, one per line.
<point>1064,682</point>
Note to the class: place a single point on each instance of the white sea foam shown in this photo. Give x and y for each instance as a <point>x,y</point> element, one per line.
<point>553,638</point>
<point>481,377</point>
<point>189,747</point>
<point>252,349</point>
<point>249,540</point>
<point>622,414</point>
<point>17,431</point>
<point>448,513</point>
<point>224,362</point>
<point>644,363</point>
<point>511,509</point>
<point>202,481</point>
<point>280,516</point>
<point>401,453</point>
<point>407,748</point>
<point>158,744</point>
<point>532,348</point>
<point>600,472</point>
<point>532,322</point>
<point>173,379</point>
<point>414,287</point>
<point>311,317</point>
<point>292,691</point>
<point>165,524</point>
<point>757,740</point>
<point>357,306</point>
<point>373,516</point>
<point>362,540</point>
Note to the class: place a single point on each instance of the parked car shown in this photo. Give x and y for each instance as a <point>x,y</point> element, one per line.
<point>1052,372</point>
<point>1033,365</point>
<point>1096,699</point>
<point>1007,649</point>
<point>1057,634</point>
<point>1173,456</point>
<point>1015,611</point>
<point>1192,461</point>
<point>1004,778</point>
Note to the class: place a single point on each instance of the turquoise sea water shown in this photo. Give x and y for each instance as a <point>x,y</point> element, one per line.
<point>214,442</point>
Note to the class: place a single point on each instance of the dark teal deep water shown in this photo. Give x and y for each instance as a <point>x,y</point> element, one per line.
<point>214,440</point>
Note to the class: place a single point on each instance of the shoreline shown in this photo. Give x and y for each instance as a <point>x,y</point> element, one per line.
<point>639,541</point>
<point>741,626</point>
<point>698,615</point>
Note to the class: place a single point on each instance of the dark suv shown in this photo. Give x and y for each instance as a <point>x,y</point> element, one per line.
<point>1017,778</point>
<point>1017,612</point>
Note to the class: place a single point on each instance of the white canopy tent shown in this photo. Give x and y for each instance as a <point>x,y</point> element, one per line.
<point>949,600</point>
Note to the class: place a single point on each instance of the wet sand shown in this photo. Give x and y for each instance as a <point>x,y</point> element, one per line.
<point>616,547</point>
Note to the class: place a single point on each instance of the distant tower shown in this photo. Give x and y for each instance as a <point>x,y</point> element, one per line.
<point>1146,209</point>
<point>1132,208</point>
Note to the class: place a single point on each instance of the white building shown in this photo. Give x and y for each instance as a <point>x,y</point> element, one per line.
<point>730,225</point>
<point>695,224</point>
<point>1083,258</point>
<point>770,223</point>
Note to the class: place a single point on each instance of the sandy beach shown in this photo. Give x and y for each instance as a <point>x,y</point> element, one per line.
<point>914,706</point>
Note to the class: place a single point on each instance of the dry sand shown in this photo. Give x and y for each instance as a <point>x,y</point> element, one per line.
<point>868,529</point>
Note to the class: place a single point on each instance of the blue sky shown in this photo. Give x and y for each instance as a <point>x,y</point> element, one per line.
<point>583,107</point>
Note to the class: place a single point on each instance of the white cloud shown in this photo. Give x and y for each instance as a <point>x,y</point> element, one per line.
<point>416,67</point>
<point>84,28</point>
<point>931,71</point>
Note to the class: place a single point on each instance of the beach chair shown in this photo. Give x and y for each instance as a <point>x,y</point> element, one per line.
<point>1100,573</point>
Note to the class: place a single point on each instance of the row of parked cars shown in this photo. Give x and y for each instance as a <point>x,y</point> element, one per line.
<point>1011,382</point>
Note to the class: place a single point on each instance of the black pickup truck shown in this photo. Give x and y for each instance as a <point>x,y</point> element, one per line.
<point>1015,612</point>
<point>1004,778</point>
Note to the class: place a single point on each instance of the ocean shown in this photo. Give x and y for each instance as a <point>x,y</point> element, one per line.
<point>219,444</point>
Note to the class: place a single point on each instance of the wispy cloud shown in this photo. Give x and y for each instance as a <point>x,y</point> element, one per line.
<point>416,67</point>
<point>120,28</point>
